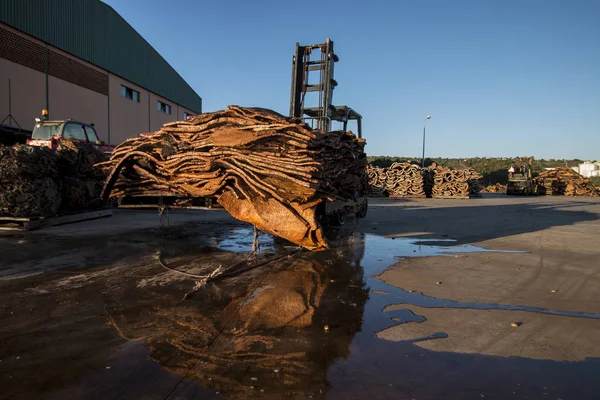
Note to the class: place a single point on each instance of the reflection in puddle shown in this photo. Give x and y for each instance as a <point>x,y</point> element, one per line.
<point>274,330</point>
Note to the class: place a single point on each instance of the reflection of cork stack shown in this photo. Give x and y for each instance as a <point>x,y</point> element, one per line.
<point>269,340</point>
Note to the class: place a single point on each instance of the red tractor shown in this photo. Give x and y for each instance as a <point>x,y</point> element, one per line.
<point>50,133</point>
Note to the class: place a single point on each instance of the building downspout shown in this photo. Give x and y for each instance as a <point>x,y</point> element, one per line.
<point>47,85</point>
<point>108,102</point>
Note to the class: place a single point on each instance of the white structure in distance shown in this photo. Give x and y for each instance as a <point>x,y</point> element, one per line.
<point>588,169</point>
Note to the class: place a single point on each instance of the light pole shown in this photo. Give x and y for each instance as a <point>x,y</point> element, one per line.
<point>424,125</point>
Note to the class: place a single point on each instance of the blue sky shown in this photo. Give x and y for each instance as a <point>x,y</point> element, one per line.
<point>500,78</point>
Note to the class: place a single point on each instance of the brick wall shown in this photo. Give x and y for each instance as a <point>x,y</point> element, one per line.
<point>23,51</point>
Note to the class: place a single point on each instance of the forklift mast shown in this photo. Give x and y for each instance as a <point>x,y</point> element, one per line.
<point>307,61</point>
<point>525,166</point>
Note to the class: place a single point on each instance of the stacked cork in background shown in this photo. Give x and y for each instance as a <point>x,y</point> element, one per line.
<point>399,180</point>
<point>497,188</point>
<point>565,181</point>
<point>410,180</point>
<point>455,183</point>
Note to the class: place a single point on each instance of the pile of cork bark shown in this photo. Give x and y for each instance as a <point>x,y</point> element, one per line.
<point>410,180</point>
<point>564,181</point>
<point>41,182</point>
<point>377,180</point>
<point>497,188</point>
<point>263,168</point>
<point>455,183</point>
<point>399,180</point>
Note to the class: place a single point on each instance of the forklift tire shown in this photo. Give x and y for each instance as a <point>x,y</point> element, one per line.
<point>362,212</point>
<point>338,218</point>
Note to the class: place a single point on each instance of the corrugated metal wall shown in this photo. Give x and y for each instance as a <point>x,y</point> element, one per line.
<point>93,31</point>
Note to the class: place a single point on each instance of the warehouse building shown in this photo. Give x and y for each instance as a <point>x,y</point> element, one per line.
<point>81,60</point>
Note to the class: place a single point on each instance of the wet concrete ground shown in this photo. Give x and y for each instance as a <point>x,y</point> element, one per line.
<point>416,301</point>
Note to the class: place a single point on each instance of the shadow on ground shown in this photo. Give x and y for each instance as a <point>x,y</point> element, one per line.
<point>476,222</point>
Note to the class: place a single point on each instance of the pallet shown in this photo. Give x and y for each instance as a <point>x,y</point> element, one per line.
<point>412,196</point>
<point>15,224</point>
<point>453,197</point>
<point>170,202</point>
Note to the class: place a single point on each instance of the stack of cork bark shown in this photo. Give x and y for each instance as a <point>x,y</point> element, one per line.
<point>41,182</point>
<point>399,180</point>
<point>263,168</point>
<point>428,175</point>
<point>377,180</point>
<point>566,182</point>
<point>459,183</point>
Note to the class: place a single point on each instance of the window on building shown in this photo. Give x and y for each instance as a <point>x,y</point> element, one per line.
<point>74,131</point>
<point>163,107</point>
<point>187,116</point>
<point>130,93</point>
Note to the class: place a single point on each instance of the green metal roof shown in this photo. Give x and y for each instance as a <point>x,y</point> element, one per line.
<point>95,32</point>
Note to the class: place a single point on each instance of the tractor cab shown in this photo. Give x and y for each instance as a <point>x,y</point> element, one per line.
<point>50,133</point>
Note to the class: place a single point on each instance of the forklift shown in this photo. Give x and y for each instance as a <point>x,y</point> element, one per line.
<point>319,59</point>
<point>520,178</point>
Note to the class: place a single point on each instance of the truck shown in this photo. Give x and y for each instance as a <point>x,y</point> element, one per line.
<point>50,133</point>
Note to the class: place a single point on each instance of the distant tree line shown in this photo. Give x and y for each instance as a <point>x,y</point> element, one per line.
<point>494,170</point>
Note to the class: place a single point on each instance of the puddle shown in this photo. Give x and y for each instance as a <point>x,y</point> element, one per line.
<point>301,327</point>
<point>240,239</point>
<point>308,327</point>
<point>382,252</point>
